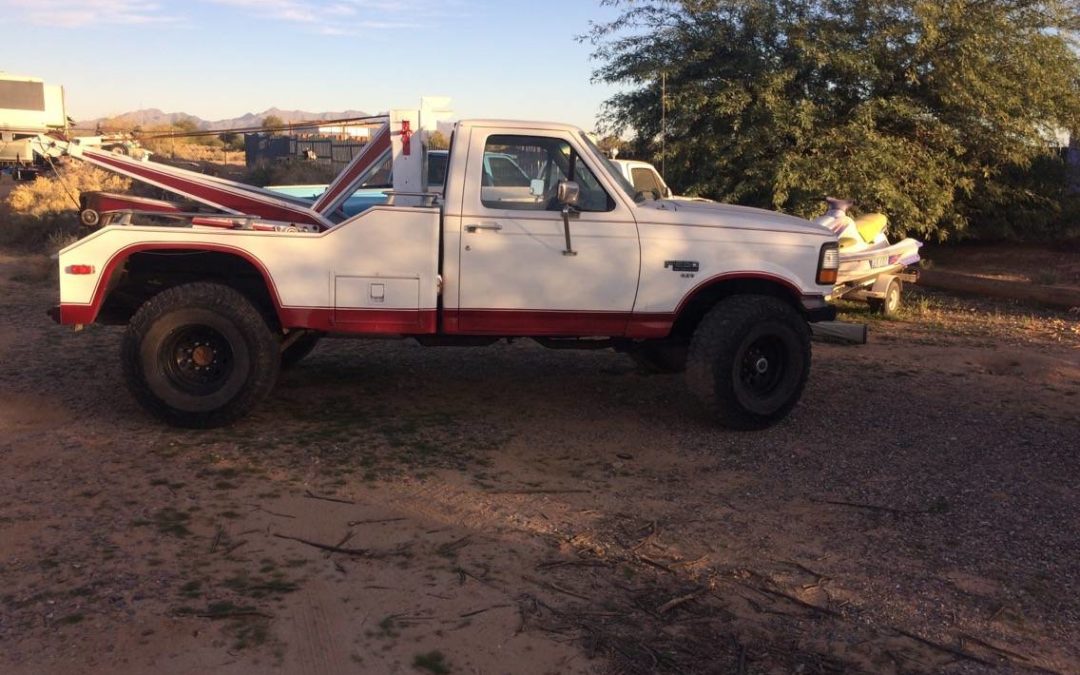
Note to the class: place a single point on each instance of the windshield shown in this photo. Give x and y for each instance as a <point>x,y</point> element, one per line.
<point>613,170</point>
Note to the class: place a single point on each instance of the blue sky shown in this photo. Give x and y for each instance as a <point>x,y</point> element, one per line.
<point>223,58</point>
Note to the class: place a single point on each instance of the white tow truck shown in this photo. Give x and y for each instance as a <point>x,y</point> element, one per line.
<point>561,249</point>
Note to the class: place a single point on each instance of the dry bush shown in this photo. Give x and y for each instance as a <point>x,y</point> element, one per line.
<point>42,215</point>
<point>193,152</point>
<point>60,193</point>
<point>47,233</point>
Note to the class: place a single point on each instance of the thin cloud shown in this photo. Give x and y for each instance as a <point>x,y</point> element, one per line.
<point>81,13</point>
<point>346,17</point>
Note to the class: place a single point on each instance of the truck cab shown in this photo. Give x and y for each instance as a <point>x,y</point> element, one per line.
<point>533,234</point>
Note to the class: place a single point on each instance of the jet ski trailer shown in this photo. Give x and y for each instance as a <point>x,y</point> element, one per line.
<point>871,269</point>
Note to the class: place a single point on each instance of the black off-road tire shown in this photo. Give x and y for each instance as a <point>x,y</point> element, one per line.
<point>749,360</point>
<point>199,355</point>
<point>298,351</point>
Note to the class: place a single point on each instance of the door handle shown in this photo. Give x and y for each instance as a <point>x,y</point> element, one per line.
<point>494,227</point>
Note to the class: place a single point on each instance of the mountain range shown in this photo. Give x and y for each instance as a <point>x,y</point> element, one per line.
<point>151,117</point>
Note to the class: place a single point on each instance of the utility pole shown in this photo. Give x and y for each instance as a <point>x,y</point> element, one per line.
<point>663,123</point>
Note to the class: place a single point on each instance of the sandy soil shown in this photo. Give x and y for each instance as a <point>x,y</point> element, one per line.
<point>512,509</point>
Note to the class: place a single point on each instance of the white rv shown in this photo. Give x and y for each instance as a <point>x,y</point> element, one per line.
<point>28,107</point>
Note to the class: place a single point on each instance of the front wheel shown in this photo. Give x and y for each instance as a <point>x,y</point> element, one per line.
<point>749,360</point>
<point>199,355</point>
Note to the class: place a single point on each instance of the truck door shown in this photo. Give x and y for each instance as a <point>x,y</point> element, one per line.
<point>516,274</point>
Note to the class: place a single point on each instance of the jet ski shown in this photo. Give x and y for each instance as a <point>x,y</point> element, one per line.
<point>871,268</point>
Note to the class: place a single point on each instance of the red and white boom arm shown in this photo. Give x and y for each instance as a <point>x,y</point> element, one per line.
<point>394,139</point>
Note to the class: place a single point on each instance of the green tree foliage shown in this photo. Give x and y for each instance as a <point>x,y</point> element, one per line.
<point>923,109</point>
<point>273,124</point>
<point>612,146</point>
<point>186,125</point>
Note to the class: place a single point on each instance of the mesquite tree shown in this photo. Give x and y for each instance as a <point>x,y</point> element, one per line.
<point>921,109</point>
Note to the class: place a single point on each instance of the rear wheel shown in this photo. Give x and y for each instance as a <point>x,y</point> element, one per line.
<point>199,355</point>
<point>749,360</point>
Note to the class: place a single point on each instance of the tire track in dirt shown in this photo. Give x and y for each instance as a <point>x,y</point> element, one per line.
<point>317,628</point>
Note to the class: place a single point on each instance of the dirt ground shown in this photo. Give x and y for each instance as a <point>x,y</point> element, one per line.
<point>518,510</point>
<point>1048,265</point>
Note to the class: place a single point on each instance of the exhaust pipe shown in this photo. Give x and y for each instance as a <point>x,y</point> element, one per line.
<point>839,332</point>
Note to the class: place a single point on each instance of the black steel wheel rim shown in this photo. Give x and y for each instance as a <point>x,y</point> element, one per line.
<point>763,365</point>
<point>198,360</point>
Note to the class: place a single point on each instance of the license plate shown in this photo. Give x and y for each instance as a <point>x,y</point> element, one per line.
<point>879,262</point>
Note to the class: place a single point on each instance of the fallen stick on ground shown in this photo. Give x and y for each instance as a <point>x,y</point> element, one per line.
<point>675,602</point>
<point>326,547</point>
<point>536,491</point>
<point>557,588</point>
<point>451,547</point>
<point>233,615</point>
<point>273,513</point>
<point>943,648</point>
<point>373,521</point>
<point>572,563</point>
<point>217,538</point>
<point>994,648</point>
<point>871,507</point>
<point>658,565</point>
<point>311,495</point>
<point>804,568</point>
<point>791,598</point>
<point>344,540</point>
<point>234,547</point>
<point>481,611</point>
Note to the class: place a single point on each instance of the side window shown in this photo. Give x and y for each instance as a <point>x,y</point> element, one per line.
<point>646,180</point>
<point>436,170</point>
<point>523,173</point>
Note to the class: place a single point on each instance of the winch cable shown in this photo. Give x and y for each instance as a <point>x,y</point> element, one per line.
<point>63,183</point>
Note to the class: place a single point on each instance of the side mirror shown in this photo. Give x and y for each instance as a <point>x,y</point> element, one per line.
<point>536,187</point>
<point>667,192</point>
<point>569,193</point>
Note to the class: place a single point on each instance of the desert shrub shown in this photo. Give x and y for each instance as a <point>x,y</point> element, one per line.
<point>48,233</point>
<point>43,214</point>
<point>213,150</point>
<point>60,192</point>
<point>161,140</point>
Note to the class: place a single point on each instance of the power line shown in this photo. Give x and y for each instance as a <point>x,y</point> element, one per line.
<point>368,120</point>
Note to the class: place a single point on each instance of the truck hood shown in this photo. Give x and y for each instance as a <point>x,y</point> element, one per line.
<point>716,214</point>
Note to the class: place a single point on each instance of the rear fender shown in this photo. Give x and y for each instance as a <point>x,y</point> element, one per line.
<point>113,277</point>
